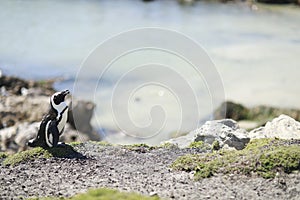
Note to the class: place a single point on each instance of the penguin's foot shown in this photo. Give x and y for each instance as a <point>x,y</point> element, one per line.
<point>36,143</point>
<point>61,144</point>
<point>32,143</point>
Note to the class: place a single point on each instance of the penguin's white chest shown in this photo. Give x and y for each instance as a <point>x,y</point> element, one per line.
<point>63,121</point>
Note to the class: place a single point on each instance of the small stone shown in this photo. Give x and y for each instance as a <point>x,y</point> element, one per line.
<point>153,194</point>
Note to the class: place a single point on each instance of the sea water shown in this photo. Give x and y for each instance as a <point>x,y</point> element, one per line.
<point>256,52</point>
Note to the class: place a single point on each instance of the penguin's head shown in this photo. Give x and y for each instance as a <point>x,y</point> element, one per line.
<point>57,100</point>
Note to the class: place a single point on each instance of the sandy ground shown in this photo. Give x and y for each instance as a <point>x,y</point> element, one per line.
<point>142,170</point>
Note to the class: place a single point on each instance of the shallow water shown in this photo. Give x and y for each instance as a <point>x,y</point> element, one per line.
<point>255,51</point>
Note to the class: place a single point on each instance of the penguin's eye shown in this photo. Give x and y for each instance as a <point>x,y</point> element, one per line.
<point>56,100</point>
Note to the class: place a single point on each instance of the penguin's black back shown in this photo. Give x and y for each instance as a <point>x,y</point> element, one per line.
<point>50,116</point>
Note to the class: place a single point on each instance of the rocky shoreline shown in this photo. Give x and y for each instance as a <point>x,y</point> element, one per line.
<point>220,151</point>
<point>22,106</point>
<point>279,2</point>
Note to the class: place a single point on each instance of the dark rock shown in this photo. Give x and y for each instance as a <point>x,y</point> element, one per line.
<point>16,86</point>
<point>80,121</point>
<point>279,1</point>
<point>256,115</point>
<point>231,110</point>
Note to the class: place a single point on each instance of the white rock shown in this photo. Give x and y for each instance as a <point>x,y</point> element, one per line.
<point>225,131</point>
<point>283,127</point>
<point>7,135</point>
<point>26,132</point>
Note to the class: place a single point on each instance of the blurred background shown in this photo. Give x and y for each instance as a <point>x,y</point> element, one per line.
<point>255,47</point>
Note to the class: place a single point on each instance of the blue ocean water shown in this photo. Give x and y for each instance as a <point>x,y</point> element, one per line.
<point>256,52</point>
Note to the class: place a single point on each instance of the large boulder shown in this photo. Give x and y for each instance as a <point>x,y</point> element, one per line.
<point>226,132</point>
<point>80,116</point>
<point>283,127</point>
<point>17,109</point>
<point>231,110</point>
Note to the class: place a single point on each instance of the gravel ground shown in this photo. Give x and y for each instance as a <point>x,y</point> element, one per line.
<point>140,169</point>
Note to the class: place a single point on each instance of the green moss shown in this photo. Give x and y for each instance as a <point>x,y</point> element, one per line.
<point>102,143</point>
<point>168,145</point>
<point>65,151</point>
<point>74,144</point>
<point>261,156</point>
<point>26,155</point>
<point>106,194</point>
<point>3,155</point>
<point>198,144</point>
<point>137,145</point>
<point>215,145</point>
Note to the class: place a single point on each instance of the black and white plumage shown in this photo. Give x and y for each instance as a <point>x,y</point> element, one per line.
<point>52,125</point>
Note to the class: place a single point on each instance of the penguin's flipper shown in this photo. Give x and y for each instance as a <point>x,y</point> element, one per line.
<point>55,133</point>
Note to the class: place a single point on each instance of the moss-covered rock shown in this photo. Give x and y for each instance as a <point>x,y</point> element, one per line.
<point>168,145</point>
<point>261,156</point>
<point>200,145</point>
<point>26,155</point>
<point>65,151</point>
<point>141,148</point>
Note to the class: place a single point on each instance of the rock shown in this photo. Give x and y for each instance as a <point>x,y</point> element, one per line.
<point>186,2</point>
<point>15,86</point>
<point>72,135</point>
<point>24,103</point>
<point>226,132</point>
<point>82,122</point>
<point>278,1</point>
<point>18,109</point>
<point>6,136</point>
<point>24,133</point>
<point>231,110</point>
<point>266,113</point>
<point>283,127</point>
<point>252,117</point>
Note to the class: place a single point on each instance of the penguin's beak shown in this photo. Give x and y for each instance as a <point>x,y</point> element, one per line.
<point>65,92</point>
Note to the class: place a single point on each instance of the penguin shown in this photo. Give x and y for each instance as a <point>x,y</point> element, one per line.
<point>53,123</point>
